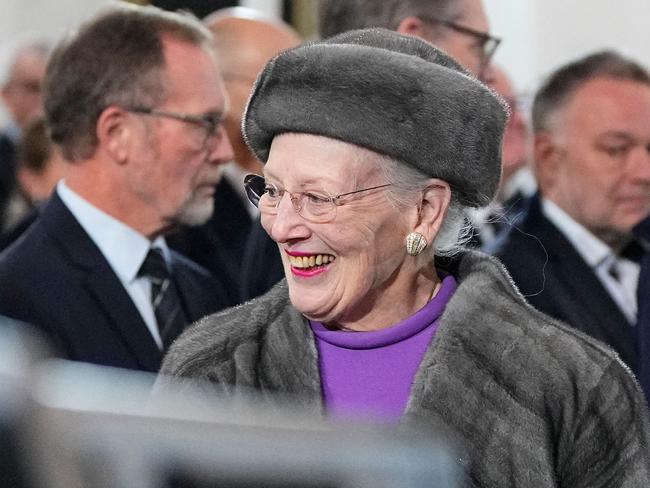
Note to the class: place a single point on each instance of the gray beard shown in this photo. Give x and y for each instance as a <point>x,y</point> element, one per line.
<point>195,212</point>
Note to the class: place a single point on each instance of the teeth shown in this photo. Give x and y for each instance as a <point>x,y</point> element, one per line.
<point>310,261</point>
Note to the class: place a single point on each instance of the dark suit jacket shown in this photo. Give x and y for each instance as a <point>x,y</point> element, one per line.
<point>218,245</point>
<point>7,174</point>
<point>262,265</point>
<point>554,278</point>
<point>56,278</point>
<point>7,238</point>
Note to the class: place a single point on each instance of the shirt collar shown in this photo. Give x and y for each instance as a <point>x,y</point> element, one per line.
<point>123,247</point>
<point>13,132</point>
<point>522,182</point>
<point>594,251</point>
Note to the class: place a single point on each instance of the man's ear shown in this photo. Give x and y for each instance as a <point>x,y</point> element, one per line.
<point>413,26</point>
<point>115,133</point>
<point>547,159</point>
<point>433,208</point>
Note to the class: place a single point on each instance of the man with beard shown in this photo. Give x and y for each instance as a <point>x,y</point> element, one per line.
<point>244,40</point>
<point>135,101</point>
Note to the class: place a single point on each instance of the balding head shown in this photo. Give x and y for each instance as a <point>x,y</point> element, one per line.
<point>245,40</point>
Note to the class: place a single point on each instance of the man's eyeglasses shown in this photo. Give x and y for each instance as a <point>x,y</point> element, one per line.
<point>488,43</point>
<point>315,206</point>
<point>210,123</point>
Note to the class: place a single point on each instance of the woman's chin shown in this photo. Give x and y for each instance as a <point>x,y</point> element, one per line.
<point>316,310</point>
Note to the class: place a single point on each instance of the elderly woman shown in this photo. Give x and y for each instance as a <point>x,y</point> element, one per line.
<point>374,146</point>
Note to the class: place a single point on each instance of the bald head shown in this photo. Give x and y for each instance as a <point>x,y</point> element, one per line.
<point>245,41</point>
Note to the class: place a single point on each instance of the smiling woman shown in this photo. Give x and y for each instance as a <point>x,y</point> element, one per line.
<point>375,144</point>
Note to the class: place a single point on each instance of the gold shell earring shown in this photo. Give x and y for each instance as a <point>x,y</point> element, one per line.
<point>415,243</point>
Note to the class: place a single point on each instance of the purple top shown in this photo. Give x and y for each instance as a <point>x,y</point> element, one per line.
<point>369,374</point>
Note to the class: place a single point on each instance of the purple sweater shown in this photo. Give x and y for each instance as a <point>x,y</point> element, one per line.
<point>369,374</point>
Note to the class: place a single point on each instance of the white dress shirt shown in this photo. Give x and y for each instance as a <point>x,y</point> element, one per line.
<point>124,248</point>
<point>601,258</point>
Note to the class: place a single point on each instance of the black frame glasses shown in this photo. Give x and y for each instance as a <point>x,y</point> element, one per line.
<point>489,43</point>
<point>210,123</point>
<point>320,207</point>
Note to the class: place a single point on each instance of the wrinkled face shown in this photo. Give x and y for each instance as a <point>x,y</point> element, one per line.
<point>365,268</point>
<point>178,166</point>
<point>465,48</point>
<point>602,178</point>
<point>22,92</point>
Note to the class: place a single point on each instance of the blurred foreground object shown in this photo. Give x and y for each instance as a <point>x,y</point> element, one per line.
<point>20,350</point>
<point>98,427</point>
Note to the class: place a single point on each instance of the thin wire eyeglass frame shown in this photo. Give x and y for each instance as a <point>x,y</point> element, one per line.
<point>257,188</point>
<point>210,123</point>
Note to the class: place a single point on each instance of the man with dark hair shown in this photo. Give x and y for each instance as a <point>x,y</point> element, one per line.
<point>459,27</point>
<point>135,101</point>
<point>570,255</point>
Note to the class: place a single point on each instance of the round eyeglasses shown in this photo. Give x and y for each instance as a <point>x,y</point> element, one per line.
<point>315,206</point>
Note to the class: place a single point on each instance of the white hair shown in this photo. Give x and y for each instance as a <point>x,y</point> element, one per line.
<point>407,185</point>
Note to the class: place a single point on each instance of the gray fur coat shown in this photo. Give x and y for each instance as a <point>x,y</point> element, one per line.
<point>535,403</point>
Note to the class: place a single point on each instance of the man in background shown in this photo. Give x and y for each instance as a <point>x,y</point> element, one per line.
<point>20,92</point>
<point>517,181</point>
<point>244,40</point>
<point>135,101</point>
<point>570,255</point>
<point>459,27</point>
<point>40,166</point>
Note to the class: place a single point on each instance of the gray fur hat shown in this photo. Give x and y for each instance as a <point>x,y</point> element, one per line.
<point>393,94</point>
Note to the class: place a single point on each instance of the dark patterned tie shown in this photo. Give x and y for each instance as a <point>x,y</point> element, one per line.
<point>642,233</point>
<point>165,300</point>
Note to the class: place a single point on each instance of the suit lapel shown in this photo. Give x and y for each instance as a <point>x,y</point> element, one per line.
<point>589,307</point>
<point>124,317</point>
<point>200,294</point>
<point>103,285</point>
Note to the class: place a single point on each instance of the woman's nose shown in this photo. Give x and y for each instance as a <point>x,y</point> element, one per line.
<point>287,224</point>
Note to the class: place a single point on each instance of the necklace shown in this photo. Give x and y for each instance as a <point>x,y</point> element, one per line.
<point>434,291</point>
